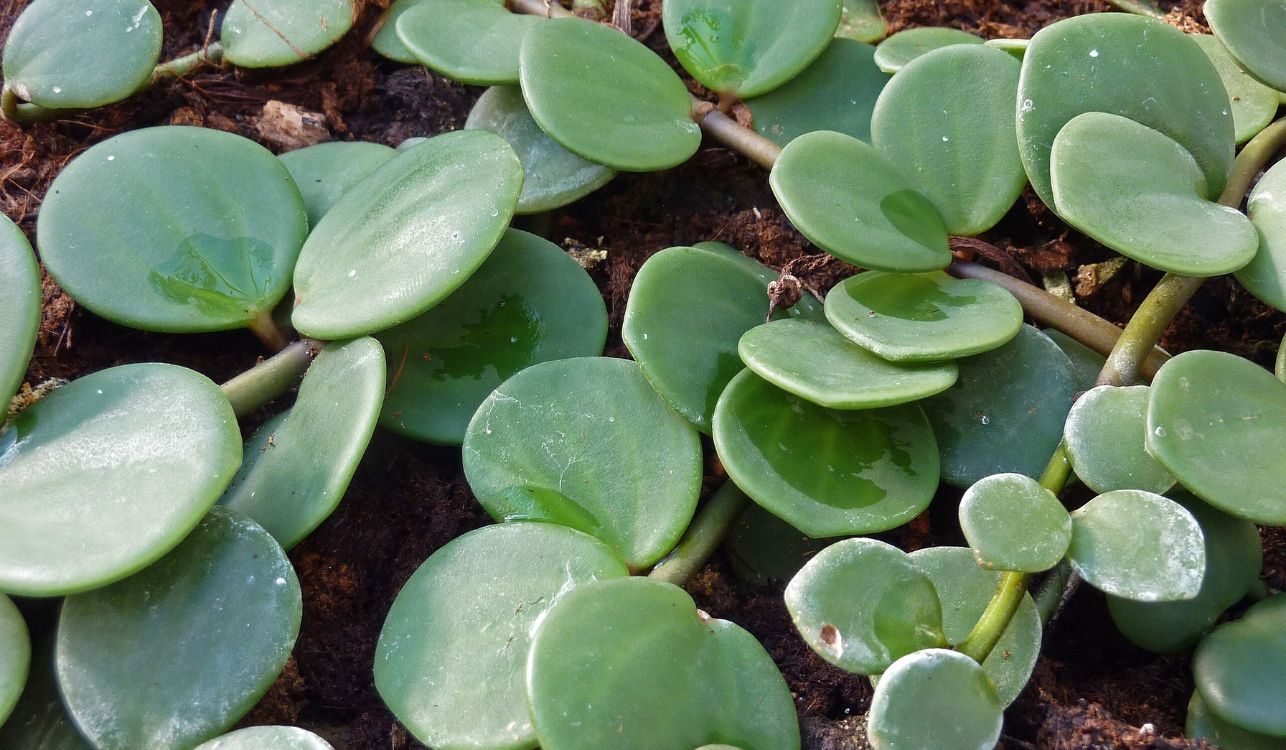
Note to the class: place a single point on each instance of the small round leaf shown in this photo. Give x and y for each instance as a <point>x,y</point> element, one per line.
<point>1253,31</point>
<point>282,32</point>
<point>326,171</point>
<point>1253,103</point>
<point>1105,433</point>
<point>267,738</point>
<point>1202,723</point>
<point>1013,523</point>
<point>19,307</point>
<point>897,51</point>
<point>1239,669</point>
<point>471,41</point>
<point>15,656</point>
<point>1265,275</point>
<point>39,720</point>
<point>861,20</point>
<point>937,677</point>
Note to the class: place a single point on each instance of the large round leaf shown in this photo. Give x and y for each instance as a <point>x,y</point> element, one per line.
<point>826,472</point>
<point>198,232</point>
<point>1253,103</point>
<point>1202,723</point>
<point>837,92</point>
<point>606,97</point>
<point>15,656</point>
<point>257,34</point>
<point>947,119</point>
<point>587,443</point>
<point>19,307</point>
<point>862,604</point>
<point>748,47</point>
<point>553,176</point>
<point>1265,275</point>
<point>450,664</point>
<point>39,721</point>
<point>471,41</point>
<point>898,719</point>
<point>1218,423</point>
<point>326,171</point>
<point>105,475</point>
<point>1165,564</point>
<point>210,625</point>
<point>408,235</point>
<point>298,466</point>
<point>813,361</point>
<point>1105,433</point>
<point>267,738</point>
<point>528,303</point>
<point>631,664</point>
<point>1141,193</point>
<point>1005,413</point>
<point>902,48</point>
<point>926,317</point>
<point>1240,668</point>
<point>853,203</point>
<point>1253,31</point>
<point>78,54</point>
<point>1076,65</point>
<point>1013,523</point>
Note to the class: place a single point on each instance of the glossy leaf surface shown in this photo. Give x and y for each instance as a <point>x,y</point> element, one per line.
<point>1210,411</point>
<point>1107,550</point>
<point>528,303</point>
<point>1005,412</point>
<point>211,625</point>
<point>326,171</point>
<point>925,317</point>
<point>860,20</point>
<point>971,719</point>
<point>198,232</point>
<point>836,92</point>
<point>862,604</point>
<point>588,444</point>
<point>1253,103</point>
<point>470,41</point>
<point>408,235</point>
<point>553,176</point>
<point>1086,363</point>
<point>1202,723</point>
<point>812,360</point>
<point>1240,667</point>
<point>15,656</point>
<point>826,472</point>
<point>1252,30</point>
<point>20,298</point>
<point>282,32</point>
<point>105,475</point>
<point>1013,523</point>
<point>894,53</point>
<point>385,41</point>
<point>1265,275</point>
<point>78,54</point>
<point>298,466</point>
<point>853,203</point>
<point>267,738</point>
<point>1106,432</point>
<point>1141,193</point>
<point>947,119</point>
<point>606,97</point>
<point>450,664</point>
<point>39,721</point>
<point>748,47</point>
<point>1171,86</point>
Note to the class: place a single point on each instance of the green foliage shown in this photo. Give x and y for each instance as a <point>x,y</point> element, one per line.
<point>267,738</point>
<point>1253,32</point>
<point>894,53</point>
<point>861,21</point>
<point>1253,103</point>
<point>1203,723</point>
<point>326,171</point>
<point>15,656</point>
<point>282,32</point>
<point>19,307</point>
<point>1265,275</point>
<point>472,41</point>
<point>1013,523</point>
<point>1239,669</point>
<point>934,698</point>
<point>1105,434</point>
<point>39,721</point>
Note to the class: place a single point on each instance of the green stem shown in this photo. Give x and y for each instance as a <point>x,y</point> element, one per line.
<point>703,536</point>
<point>270,378</point>
<point>1146,327</point>
<point>182,66</point>
<point>266,330</point>
<point>1252,159</point>
<point>1000,610</point>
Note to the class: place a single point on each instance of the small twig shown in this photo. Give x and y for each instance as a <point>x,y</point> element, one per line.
<point>622,17</point>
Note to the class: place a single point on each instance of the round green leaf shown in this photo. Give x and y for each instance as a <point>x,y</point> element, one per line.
<point>19,307</point>
<point>813,361</point>
<point>298,465</point>
<point>39,720</point>
<point>472,41</point>
<point>836,92</point>
<point>861,20</point>
<point>1265,275</point>
<point>1142,194</point>
<point>198,232</point>
<point>1005,413</point>
<point>965,590</point>
<point>385,41</point>
<point>897,51</point>
<point>1075,66</point>
<point>103,476</point>
<point>1253,31</point>
<point>826,472</point>
<point>748,47</point>
<point>78,54</point>
<point>450,664</point>
<point>408,235</point>
<point>1086,363</point>
<point>1253,103</point>
<point>1234,557</point>
<point>1105,434</point>
<point>282,32</point>
<point>1165,564</point>
<point>528,303</point>
<point>1239,669</point>
<point>853,203</point>
<point>15,656</point>
<point>588,444</point>
<point>862,604</point>
<point>554,176</point>
<point>631,664</point>
<point>1013,523</point>
<point>934,677</point>
<point>1217,422</point>
<point>606,97</point>
<point>267,738</point>
<point>807,307</point>
<point>925,317</point>
<point>326,171</point>
<point>1202,723</point>
<point>210,625</point>
<point>947,119</point>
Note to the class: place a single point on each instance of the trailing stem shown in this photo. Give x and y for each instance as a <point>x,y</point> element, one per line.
<point>270,378</point>
<point>706,532</point>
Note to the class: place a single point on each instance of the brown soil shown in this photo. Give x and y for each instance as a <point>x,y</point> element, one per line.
<point>1091,689</point>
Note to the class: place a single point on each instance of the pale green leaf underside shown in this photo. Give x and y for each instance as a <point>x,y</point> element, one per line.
<point>272,33</point>
<point>1265,275</point>
<point>20,299</point>
<point>267,738</point>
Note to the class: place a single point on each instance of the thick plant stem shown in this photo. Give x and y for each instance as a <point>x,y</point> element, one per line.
<point>1254,155</point>
<point>181,66</point>
<point>707,531</point>
<point>1125,364</point>
<point>270,378</point>
<point>1000,610</point>
<point>266,330</point>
